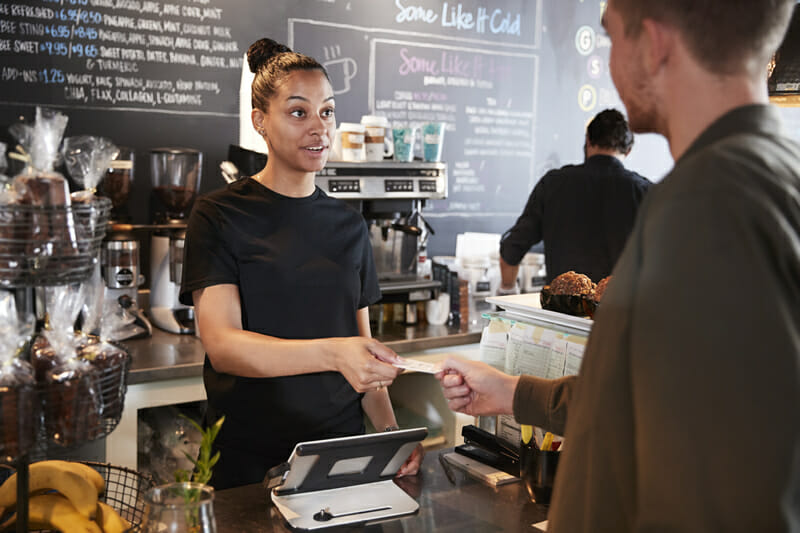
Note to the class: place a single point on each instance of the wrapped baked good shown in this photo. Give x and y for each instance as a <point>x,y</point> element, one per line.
<point>11,251</point>
<point>17,394</point>
<point>49,229</point>
<point>108,361</point>
<point>43,358</point>
<point>73,405</point>
<point>87,158</point>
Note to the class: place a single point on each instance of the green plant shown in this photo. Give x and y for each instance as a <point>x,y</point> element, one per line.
<point>201,473</point>
<point>204,463</point>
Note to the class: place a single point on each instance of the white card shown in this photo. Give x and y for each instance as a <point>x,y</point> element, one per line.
<point>418,366</point>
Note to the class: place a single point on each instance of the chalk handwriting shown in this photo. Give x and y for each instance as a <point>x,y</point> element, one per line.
<point>458,17</point>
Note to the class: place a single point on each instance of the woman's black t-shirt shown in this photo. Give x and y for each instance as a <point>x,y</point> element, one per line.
<point>303,266</point>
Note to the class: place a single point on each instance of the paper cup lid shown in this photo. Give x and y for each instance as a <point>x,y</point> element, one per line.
<point>374,120</point>
<point>351,127</point>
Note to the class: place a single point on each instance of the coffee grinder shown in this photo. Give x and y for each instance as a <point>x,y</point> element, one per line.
<point>175,174</point>
<point>123,318</point>
<point>116,185</point>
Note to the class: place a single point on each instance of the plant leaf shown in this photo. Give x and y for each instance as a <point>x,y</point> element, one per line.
<point>204,462</point>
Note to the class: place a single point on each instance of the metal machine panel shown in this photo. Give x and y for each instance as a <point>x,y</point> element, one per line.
<point>384,180</point>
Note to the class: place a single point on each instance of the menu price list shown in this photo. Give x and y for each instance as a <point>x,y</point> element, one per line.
<point>486,100</point>
<point>119,53</point>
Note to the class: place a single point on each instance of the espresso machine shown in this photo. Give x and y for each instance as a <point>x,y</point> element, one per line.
<point>120,256</point>
<point>391,196</point>
<point>175,174</point>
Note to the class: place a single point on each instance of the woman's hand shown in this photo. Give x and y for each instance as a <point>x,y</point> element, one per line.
<point>412,464</point>
<point>475,388</point>
<point>365,363</point>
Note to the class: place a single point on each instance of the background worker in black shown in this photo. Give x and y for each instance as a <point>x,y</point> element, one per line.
<point>280,276</point>
<point>584,213</point>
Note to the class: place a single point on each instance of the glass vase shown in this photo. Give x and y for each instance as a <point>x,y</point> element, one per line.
<point>179,508</point>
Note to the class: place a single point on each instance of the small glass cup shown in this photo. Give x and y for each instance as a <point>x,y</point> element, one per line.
<point>432,141</point>
<point>404,139</point>
<point>179,507</point>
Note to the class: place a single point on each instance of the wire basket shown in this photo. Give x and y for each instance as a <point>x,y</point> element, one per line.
<point>124,490</point>
<point>51,245</point>
<point>46,416</point>
<point>83,409</point>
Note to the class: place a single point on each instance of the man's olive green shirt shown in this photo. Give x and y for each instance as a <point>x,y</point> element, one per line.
<point>686,413</point>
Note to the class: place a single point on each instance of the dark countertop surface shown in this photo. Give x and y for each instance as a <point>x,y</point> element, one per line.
<point>169,356</point>
<point>465,505</point>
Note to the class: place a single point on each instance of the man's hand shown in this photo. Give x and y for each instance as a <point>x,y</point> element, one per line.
<point>475,388</point>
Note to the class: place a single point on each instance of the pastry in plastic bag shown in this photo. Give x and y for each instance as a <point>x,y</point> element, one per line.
<point>17,394</point>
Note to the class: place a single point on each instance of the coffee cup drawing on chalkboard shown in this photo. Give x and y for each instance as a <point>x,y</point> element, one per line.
<point>340,72</point>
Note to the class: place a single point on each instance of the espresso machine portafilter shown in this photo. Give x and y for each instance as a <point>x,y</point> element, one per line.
<point>176,176</point>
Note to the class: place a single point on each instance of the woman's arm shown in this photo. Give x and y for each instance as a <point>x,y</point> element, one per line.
<point>364,362</point>
<point>378,407</point>
<point>376,403</point>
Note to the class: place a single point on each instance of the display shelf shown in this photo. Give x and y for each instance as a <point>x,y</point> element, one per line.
<point>50,245</point>
<point>47,246</point>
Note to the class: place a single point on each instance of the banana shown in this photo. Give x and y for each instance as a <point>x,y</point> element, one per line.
<point>110,520</point>
<point>53,511</point>
<point>57,476</point>
<point>91,475</point>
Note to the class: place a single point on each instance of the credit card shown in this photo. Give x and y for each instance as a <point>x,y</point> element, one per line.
<point>414,365</point>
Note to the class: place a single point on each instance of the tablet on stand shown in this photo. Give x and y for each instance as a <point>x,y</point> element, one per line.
<point>346,480</point>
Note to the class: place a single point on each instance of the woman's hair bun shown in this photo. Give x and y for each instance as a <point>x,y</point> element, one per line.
<point>261,51</point>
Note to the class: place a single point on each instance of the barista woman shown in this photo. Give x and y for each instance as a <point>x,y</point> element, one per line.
<point>280,276</point>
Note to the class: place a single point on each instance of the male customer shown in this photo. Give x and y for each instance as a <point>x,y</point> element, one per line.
<point>685,415</point>
<point>584,213</point>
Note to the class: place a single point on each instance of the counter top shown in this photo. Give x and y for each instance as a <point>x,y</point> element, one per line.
<point>169,356</point>
<point>463,505</point>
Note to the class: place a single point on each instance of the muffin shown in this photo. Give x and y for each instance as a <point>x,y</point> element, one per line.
<point>600,288</point>
<point>572,283</point>
<point>571,293</point>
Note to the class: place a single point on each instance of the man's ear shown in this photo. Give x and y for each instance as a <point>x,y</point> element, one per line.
<point>658,41</point>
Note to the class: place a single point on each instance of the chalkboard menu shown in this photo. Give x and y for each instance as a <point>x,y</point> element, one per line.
<point>118,54</point>
<point>515,81</point>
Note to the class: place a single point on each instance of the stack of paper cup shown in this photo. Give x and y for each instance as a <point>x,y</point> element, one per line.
<point>352,141</point>
<point>375,138</point>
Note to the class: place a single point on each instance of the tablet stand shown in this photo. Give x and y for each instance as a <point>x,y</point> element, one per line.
<point>346,480</point>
